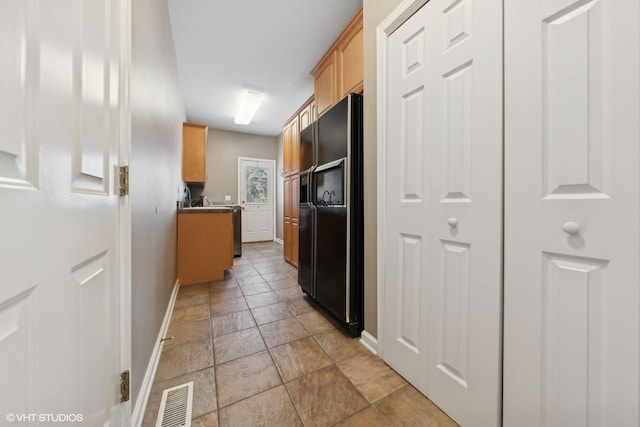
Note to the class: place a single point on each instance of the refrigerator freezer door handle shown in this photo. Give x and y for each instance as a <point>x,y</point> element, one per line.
<point>330,165</point>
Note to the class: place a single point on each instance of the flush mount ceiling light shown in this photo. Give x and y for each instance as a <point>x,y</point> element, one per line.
<point>249,104</point>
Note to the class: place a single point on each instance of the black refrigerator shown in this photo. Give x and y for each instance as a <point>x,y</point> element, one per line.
<point>331,223</point>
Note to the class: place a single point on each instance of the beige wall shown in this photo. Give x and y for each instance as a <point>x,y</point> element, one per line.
<point>280,187</point>
<point>223,149</point>
<point>157,113</point>
<point>375,12</point>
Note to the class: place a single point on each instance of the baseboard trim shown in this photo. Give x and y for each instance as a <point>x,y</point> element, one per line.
<point>275,239</point>
<point>369,341</point>
<point>145,389</point>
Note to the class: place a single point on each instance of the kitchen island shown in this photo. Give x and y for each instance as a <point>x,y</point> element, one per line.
<point>205,244</point>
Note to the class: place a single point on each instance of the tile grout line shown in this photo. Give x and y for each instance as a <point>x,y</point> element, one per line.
<point>215,371</point>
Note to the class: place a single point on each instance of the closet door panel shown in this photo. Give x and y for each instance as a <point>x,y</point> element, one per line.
<point>572,102</point>
<point>465,266</point>
<point>407,210</point>
<point>444,207</point>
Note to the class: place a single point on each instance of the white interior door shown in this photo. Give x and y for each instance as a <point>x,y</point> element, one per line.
<point>60,106</point>
<point>408,210</point>
<point>571,235</point>
<point>443,271</point>
<point>257,194</point>
<point>465,269</point>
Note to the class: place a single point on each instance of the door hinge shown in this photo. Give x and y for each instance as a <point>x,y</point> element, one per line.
<point>124,180</point>
<point>124,386</point>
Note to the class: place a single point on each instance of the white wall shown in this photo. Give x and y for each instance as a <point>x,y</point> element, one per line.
<point>280,189</point>
<point>157,109</point>
<point>374,13</point>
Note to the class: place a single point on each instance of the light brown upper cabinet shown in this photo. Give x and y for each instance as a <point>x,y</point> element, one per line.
<point>295,145</point>
<point>286,148</point>
<point>326,78</point>
<point>194,152</point>
<point>340,71</point>
<point>305,116</point>
<point>291,137</point>
<point>350,58</point>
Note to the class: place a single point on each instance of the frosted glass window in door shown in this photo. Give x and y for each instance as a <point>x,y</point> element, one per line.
<point>257,185</point>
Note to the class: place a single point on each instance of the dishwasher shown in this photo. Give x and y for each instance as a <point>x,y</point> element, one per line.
<point>236,218</point>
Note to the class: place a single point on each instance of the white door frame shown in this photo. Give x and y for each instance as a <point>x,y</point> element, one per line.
<point>124,204</point>
<point>272,189</point>
<point>403,12</point>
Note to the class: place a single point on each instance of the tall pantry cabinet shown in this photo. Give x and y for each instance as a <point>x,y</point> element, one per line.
<point>291,174</point>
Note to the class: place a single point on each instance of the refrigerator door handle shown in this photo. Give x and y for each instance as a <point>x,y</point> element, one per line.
<point>310,185</point>
<point>330,165</point>
<point>314,246</point>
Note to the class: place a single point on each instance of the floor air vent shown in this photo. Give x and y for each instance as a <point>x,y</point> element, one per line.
<point>176,406</point>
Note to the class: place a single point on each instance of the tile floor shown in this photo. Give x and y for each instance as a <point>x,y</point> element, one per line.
<point>261,353</point>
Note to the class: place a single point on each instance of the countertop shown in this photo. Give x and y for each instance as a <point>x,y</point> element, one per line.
<point>205,209</point>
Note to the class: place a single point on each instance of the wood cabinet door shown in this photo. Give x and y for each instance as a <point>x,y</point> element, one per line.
<point>288,250</point>
<point>194,152</point>
<point>295,145</point>
<point>288,201</point>
<point>295,209</point>
<point>326,92</point>
<point>294,242</point>
<point>295,196</point>
<point>350,60</point>
<point>288,204</point>
<point>305,116</point>
<point>286,148</point>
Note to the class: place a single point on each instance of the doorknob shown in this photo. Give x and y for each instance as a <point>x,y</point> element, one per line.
<point>571,227</point>
<point>452,222</point>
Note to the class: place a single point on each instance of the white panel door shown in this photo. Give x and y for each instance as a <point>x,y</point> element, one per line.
<point>443,275</point>
<point>60,110</point>
<point>572,130</point>
<point>257,195</point>
<point>465,266</point>
<point>408,209</point>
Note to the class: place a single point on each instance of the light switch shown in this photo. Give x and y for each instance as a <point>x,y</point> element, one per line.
<point>227,198</point>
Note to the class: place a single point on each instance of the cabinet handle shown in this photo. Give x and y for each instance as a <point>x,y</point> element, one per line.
<point>571,227</point>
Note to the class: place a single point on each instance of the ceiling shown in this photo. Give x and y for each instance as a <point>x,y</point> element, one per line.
<point>223,47</point>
